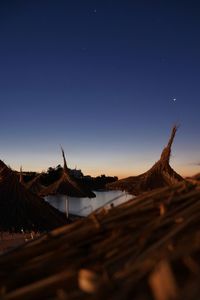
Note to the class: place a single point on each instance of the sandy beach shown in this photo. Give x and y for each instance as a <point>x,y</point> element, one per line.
<point>9,241</point>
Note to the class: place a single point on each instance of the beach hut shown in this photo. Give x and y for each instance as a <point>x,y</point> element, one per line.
<point>21,209</point>
<point>160,175</point>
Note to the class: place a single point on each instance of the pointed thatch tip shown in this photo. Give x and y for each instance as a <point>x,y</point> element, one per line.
<point>64,160</point>
<point>173,133</point>
<point>166,153</point>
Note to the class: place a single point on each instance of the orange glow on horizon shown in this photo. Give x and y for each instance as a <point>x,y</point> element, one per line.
<point>182,170</point>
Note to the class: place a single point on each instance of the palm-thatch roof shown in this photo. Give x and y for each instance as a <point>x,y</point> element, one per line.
<point>147,248</point>
<point>67,185</point>
<point>19,208</point>
<point>160,175</point>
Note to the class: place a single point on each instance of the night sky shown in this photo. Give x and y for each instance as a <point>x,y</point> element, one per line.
<point>100,78</point>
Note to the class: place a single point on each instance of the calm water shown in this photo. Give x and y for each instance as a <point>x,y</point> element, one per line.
<point>84,206</point>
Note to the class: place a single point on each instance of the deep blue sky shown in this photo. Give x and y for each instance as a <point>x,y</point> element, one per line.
<point>99,77</point>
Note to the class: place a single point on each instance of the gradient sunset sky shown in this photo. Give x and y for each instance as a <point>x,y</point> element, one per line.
<point>100,78</point>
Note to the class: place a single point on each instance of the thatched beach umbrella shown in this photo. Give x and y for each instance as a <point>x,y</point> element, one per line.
<point>20,209</point>
<point>67,185</point>
<point>160,175</point>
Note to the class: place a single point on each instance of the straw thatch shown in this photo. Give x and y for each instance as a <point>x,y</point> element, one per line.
<point>67,185</point>
<point>20,209</point>
<point>145,249</point>
<point>35,185</point>
<point>160,175</point>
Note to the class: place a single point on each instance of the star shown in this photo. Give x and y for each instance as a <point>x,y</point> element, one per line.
<point>174,99</point>
<point>94,11</point>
